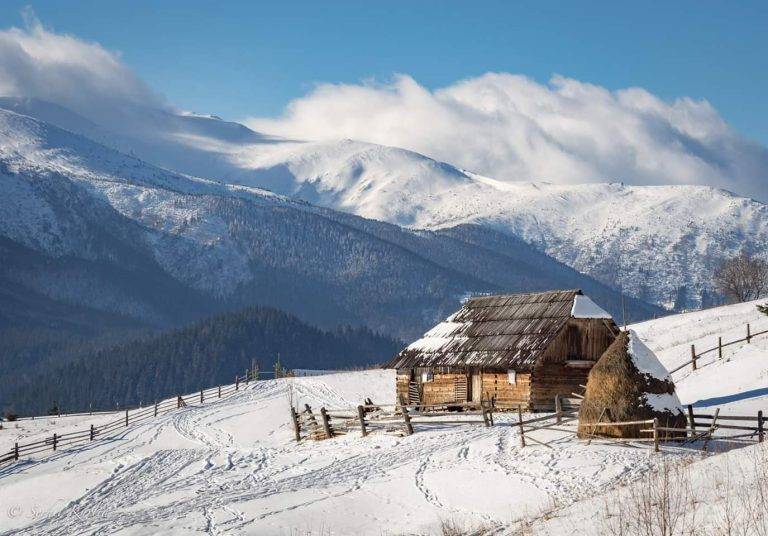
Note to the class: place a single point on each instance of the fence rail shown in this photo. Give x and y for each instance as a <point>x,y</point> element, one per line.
<point>403,417</point>
<point>693,362</point>
<point>132,415</point>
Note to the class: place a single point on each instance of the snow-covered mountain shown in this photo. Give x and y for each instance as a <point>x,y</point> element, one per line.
<point>90,226</point>
<point>658,243</point>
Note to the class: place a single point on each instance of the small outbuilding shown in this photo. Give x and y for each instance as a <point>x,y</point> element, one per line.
<point>629,384</point>
<point>516,349</point>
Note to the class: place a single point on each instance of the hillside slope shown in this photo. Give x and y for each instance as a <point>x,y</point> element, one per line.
<point>232,466</point>
<point>739,380</point>
<point>209,352</point>
<point>658,243</point>
<point>89,226</point>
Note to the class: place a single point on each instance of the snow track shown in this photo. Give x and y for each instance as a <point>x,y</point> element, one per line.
<point>231,467</point>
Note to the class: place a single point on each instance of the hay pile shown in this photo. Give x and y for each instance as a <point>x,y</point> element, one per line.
<point>629,383</point>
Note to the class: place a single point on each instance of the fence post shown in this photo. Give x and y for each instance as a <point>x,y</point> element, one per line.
<point>326,423</point>
<point>407,420</point>
<point>693,357</point>
<point>90,436</point>
<point>691,422</point>
<point>719,347</point>
<point>237,382</point>
<point>296,426</point>
<point>490,411</point>
<point>155,407</point>
<point>558,410</point>
<point>201,396</point>
<point>760,432</point>
<point>178,401</point>
<point>16,451</point>
<point>520,425</point>
<point>126,416</point>
<point>54,441</point>
<point>219,391</point>
<point>246,376</point>
<point>749,335</point>
<point>361,416</point>
<point>656,434</point>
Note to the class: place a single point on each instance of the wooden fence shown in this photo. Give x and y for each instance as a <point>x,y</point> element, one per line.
<point>399,418</point>
<point>133,415</point>
<point>405,418</point>
<point>695,356</point>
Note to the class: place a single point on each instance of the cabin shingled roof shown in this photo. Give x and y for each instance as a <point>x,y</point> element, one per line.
<point>505,331</point>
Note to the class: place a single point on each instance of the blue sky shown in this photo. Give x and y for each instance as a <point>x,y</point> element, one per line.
<point>238,59</point>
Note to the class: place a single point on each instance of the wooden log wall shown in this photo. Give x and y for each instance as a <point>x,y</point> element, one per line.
<point>403,378</point>
<point>442,388</point>
<point>496,385</point>
<point>551,379</point>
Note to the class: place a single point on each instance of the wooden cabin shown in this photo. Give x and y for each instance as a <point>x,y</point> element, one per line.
<point>517,349</point>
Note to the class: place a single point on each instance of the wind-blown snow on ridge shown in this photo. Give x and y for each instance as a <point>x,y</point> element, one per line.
<point>657,243</point>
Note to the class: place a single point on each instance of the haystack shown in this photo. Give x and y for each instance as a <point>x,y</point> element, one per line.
<point>629,383</point>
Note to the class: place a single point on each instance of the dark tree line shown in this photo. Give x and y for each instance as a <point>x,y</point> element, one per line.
<point>204,354</point>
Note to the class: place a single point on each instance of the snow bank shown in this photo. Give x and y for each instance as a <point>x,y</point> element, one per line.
<point>644,359</point>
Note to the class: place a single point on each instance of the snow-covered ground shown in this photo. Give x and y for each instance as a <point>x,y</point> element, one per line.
<point>232,466</point>
<point>737,383</point>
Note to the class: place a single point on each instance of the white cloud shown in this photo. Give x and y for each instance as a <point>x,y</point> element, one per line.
<point>513,128</point>
<point>79,75</point>
<point>502,125</point>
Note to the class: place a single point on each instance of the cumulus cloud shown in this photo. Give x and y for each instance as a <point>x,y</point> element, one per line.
<point>512,128</point>
<point>68,71</point>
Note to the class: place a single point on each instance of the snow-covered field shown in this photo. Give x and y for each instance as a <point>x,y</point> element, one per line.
<point>232,467</point>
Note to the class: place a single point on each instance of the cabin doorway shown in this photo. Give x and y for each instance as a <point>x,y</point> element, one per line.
<point>476,386</point>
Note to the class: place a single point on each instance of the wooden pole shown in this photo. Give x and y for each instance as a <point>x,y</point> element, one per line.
<point>237,382</point>
<point>558,410</point>
<point>490,411</point>
<point>719,347</point>
<point>219,391</point>
<point>201,396</point>
<point>54,441</point>
<point>126,417</point>
<point>749,335</point>
<point>760,432</point>
<point>16,451</point>
<point>520,424</point>
<point>90,436</point>
<point>693,356</point>
<point>656,434</point>
<point>155,407</point>
<point>691,422</point>
<point>296,426</point>
<point>246,376</point>
<point>178,401</point>
<point>326,423</point>
<point>407,420</point>
<point>361,416</point>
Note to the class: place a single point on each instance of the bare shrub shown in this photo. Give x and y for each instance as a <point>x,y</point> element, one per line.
<point>450,527</point>
<point>742,278</point>
<point>661,504</point>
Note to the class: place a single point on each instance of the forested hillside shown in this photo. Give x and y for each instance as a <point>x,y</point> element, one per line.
<point>204,354</point>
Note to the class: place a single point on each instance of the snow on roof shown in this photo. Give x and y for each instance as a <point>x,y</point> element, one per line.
<point>583,307</point>
<point>510,330</point>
